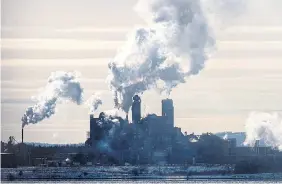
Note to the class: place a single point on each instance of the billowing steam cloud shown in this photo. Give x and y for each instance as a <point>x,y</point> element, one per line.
<point>93,103</point>
<point>266,127</point>
<point>174,46</point>
<point>62,86</point>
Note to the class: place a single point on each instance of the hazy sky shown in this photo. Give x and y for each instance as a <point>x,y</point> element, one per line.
<point>41,36</point>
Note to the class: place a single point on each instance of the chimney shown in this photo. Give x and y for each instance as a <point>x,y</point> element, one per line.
<point>22,135</point>
<point>257,147</point>
<point>136,109</point>
<point>126,117</point>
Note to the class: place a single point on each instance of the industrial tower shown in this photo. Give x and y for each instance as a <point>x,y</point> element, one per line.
<point>168,111</point>
<point>136,109</point>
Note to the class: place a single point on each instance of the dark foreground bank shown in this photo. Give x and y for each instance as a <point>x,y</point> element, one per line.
<point>127,173</point>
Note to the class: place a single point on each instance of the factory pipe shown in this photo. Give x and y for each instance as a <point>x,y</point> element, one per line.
<point>126,117</point>
<point>22,135</point>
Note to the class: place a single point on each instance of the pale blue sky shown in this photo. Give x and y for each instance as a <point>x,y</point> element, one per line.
<point>41,36</point>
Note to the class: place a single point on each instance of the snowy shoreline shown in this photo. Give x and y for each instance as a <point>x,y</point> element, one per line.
<point>122,173</point>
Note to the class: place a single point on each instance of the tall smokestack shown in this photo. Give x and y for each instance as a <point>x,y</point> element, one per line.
<point>168,111</point>
<point>136,109</point>
<point>22,135</point>
<point>126,117</point>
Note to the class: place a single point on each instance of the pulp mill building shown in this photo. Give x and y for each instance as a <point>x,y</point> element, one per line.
<point>152,139</point>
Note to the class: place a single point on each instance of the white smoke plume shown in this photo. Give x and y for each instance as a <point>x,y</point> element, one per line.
<point>114,113</point>
<point>225,137</point>
<point>264,126</point>
<point>61,86</point>
<point>173,46</point>
<point>93,103</point>
<point>112,116</point>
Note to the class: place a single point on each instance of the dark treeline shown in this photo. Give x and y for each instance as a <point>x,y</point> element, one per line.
<point>32,154</point>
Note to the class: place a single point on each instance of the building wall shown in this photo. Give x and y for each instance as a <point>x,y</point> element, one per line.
<point>230,147</point>
<point>159,157</point>
<point>8,160</point>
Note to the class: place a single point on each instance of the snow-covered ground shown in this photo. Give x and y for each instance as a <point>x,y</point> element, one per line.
<point>127,172</point>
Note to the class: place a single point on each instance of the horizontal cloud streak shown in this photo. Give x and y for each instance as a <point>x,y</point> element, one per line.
<point>58,44</point>
<point>105,53</point>
<point>54,62</point>
<point>101,63</point>
<point>56,54</point>
<point>72,44</point>
<point>119,33</point>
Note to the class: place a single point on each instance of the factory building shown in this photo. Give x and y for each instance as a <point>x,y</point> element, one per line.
<point>234,154</point>
<point>152,139</point>
<point>99,128</point>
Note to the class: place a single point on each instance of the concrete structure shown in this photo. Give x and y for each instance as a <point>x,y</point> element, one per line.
<point>234,154</point>
<point>231,146</point>
<point>230,149</point>
<point>8,160</point>
<point>160,157</point>
<point>93,126</point>
<point>256,147</point>
<point>168,111</point>
<point>22,135</point>
<point>96,130</point>
<point>136,109</point>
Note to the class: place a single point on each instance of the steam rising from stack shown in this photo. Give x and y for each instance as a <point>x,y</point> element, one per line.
<point>264,126</point>
<point>161,56</point>
<point>61,86</point>
<point>93,103</point>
